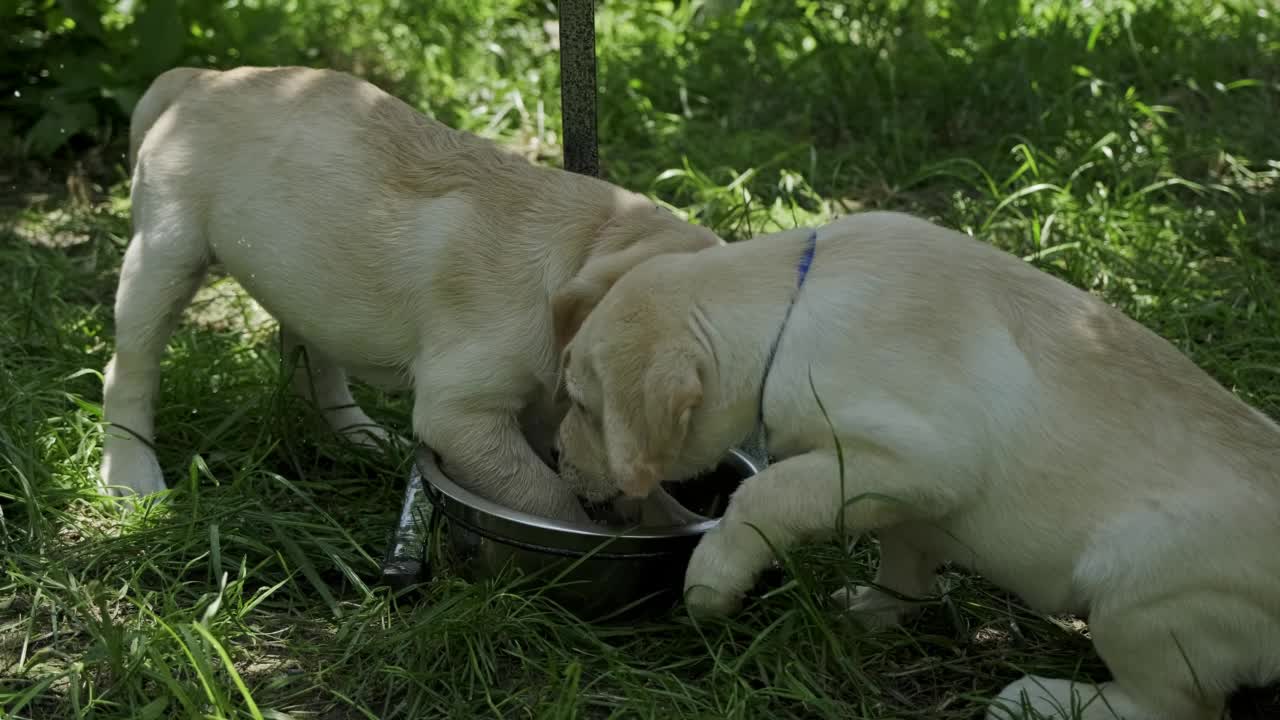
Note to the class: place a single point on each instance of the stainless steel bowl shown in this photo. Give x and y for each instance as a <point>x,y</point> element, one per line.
<point>593,572</point>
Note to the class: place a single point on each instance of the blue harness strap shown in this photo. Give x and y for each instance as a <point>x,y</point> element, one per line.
<point>802,273</point>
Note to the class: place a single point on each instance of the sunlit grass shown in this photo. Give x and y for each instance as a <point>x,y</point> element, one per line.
<point>1126,147</point>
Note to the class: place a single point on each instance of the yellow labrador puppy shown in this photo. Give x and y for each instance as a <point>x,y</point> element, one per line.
<point>388,246</point>
<point>989,414</point>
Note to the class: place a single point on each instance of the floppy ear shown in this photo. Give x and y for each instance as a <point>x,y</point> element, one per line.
<point>672,391</point>
<point>570,307</point>
<point>572,303</point>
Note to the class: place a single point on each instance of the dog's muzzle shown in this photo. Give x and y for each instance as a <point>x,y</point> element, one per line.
<point>599,504</point>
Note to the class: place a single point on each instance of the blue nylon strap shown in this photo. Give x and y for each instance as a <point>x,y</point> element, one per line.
<point>802,273</point>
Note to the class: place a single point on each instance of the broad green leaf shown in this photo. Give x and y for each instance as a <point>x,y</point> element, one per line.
<point>60,122</point>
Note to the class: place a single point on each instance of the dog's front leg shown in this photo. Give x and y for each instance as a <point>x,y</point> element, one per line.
<point>538,422</point>
<point>484,450</point>
<point>795,500</point>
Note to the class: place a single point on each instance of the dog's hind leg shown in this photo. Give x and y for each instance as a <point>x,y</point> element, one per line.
<point>324,383</point>
<point>904,571</point>
<point>163,267</point>
<point>1167,661</point>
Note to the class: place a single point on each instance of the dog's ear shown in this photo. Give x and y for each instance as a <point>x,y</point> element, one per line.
<point>672,391</point>
<point>571,304</point>
<point>570,307</point>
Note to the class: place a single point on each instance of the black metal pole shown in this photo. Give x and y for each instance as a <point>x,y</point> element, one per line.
<point>405,560</point>
<point>578,86</point>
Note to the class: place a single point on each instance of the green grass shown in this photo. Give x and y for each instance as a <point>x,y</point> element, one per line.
<point>1127,147</point>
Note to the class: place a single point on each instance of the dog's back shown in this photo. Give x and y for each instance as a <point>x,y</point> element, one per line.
<point>308,120</point>
<point>1090,355</point>
<point>159,96</point>
<point>1109,454</point>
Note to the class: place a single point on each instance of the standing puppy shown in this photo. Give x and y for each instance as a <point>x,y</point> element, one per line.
<point>388,246</point>
<point>988,413</point>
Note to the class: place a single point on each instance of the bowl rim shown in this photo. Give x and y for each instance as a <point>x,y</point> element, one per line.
<point>539,534</point>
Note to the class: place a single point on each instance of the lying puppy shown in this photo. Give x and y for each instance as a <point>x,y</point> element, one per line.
<point>388,246</point>
<point>988,413</point>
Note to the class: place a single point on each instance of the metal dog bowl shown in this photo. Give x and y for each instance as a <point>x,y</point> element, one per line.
<point>593,572</point>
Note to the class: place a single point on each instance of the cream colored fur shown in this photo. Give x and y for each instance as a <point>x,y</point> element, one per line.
<point>989,414</point>
<point>388,246</point>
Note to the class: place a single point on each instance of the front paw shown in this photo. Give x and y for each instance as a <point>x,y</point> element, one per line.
<point>375,437</point>
<point>563,506</point>
<point>714,584</point>
<point>1049,698</point>
<point>705,601</point>
<point>129,468</point>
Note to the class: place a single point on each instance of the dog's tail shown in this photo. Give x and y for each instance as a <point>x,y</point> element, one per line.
<point>158,97</point>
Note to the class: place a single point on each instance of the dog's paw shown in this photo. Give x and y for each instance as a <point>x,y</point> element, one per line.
<point>704,601</point>
<point>557,503</point>
<point>1033,698</point>
<point>714,582</point>
<point>375,437</point>
<point>129,468</point>
<point>870,607</point>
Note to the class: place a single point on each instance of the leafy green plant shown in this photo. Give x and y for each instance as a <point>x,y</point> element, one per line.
<point>74,69</point>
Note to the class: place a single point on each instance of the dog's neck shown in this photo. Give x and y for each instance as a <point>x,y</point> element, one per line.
<point>774,271</point>
<point>571,205</point>
<point>802,274</point>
